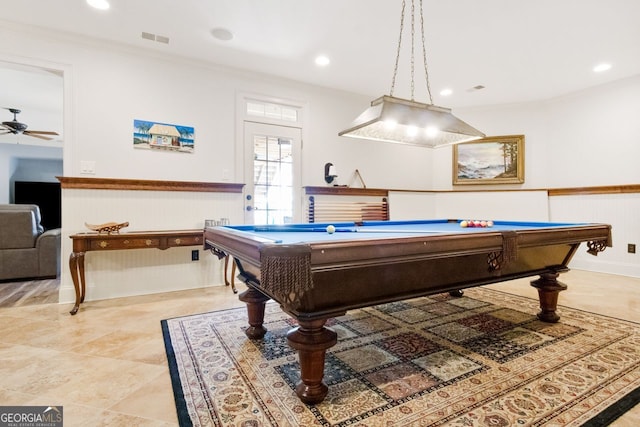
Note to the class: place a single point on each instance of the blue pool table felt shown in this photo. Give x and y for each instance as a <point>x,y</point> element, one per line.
<point>317,232</point>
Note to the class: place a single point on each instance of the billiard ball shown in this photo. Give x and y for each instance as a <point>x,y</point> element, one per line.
<point>464,224</point>
<point>489,223</point>
<point>331,229</point>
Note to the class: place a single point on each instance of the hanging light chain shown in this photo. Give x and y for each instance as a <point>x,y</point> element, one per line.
<point>413,39</point>
<point>424,51</point>
<point>424,54</point>
<point>395,69</point>
<point>415,120</point>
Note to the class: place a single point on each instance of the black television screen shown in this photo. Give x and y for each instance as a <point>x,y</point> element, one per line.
<point>44,194</point>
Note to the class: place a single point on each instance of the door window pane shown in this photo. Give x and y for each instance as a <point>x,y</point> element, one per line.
<point>272,111</point>
<point>273,180</point>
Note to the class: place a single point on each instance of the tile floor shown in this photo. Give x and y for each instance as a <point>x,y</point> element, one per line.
<point>107,366</point>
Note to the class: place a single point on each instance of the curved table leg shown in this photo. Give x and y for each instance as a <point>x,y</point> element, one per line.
<point>226,267</point>
<point>233,278</point>
<point>76,266</point>
<point>312,340</point>
<point>233,273</point>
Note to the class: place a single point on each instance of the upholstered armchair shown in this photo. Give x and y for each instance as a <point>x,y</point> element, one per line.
<point>26,249</point>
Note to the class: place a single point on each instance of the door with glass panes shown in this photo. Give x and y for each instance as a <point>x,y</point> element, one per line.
<point>272,173</point>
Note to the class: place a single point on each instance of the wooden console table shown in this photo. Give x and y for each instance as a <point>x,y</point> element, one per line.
<point>85,242</point>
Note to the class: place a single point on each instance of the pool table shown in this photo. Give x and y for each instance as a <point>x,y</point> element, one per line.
<point>315,275</point>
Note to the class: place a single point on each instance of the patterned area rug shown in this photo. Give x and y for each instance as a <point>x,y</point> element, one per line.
<point>480,360</point>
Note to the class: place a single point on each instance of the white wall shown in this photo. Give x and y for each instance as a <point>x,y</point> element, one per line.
<point>580,139</point>
<point>588,138</point>
<point>493,205</point>
<point>107,87</point>
<point>594,136</point>
<point>112,86</point>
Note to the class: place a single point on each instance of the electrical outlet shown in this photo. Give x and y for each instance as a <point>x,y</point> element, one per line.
<point>631,248</point>
<point>195,255</point>
<point>87,167</point>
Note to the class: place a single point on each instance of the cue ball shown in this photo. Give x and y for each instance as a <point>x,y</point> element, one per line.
<point>331,229</point>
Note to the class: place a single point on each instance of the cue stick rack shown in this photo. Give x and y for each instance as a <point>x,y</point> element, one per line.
<point>327,210</point>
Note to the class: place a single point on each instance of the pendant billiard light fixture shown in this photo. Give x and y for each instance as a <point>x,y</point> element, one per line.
<point>398,120</point>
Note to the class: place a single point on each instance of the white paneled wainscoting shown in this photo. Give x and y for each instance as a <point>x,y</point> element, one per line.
<point>119,273</point>
<point>617,206</point>
<point>112,274</point>
<point>620,210</point>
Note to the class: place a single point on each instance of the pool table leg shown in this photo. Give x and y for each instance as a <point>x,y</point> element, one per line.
<point>255,312</point>
<point>312,340</point>
<point>548,290</point>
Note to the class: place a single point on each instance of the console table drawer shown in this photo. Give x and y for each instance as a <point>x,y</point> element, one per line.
<point>186,240</point>
<point>129,243</point>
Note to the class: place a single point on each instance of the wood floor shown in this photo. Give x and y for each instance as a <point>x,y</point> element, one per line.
<point>30,292</point>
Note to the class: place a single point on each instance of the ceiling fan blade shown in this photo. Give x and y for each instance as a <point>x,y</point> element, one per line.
<point>42,132</point>
<point>5,132</point>
<point>29,133</point>
<point>16,127</point>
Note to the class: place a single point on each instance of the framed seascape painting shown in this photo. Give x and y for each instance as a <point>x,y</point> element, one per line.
<point>490,160</point>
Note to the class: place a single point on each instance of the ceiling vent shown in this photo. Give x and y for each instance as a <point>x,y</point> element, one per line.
<point>154,37</point>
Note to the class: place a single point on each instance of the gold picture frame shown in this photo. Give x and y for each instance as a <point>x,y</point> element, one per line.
<point>490,160</point>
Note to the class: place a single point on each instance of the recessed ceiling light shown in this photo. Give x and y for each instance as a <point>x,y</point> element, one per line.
<point>222,34</point>
<point>446,92</point>
<point>601,67</point>
<point>322,61</point>
<point>99,4</point>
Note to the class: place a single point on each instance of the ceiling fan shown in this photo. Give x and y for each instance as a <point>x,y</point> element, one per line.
<point>15,127</point>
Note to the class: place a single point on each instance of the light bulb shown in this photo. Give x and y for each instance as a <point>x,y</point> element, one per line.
<point>99,4</point>
<point>390,124</point>
<point>431,131</point>
<point>322,61</point>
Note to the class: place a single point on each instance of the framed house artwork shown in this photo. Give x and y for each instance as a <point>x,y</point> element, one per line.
<point>163,136</point>
<point>490,160</point>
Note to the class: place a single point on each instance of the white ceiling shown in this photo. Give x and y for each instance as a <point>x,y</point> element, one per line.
<point>521,51</point>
